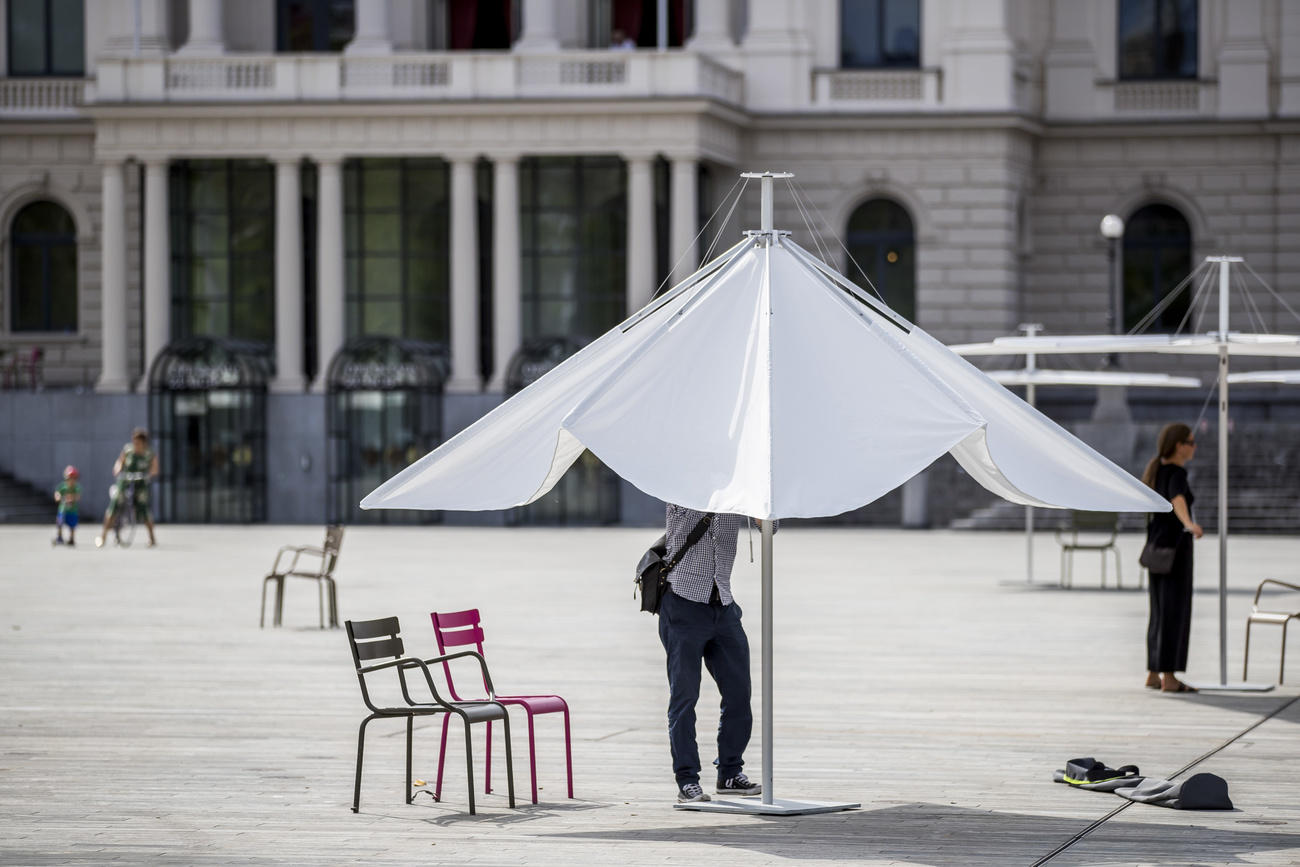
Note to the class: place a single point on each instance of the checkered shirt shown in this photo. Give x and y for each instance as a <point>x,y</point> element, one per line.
<point>709,561</point>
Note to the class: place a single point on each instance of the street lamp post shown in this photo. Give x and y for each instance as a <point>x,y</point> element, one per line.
<point>1112,229</point>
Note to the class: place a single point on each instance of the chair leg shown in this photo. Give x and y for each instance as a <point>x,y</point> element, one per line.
<point>469,765</point>
<point>1119,570</point>
<point>320,602</point>
<point>279,601</point>
<point>1103,569</point>
<point>361,747</point>
<point>487,761</point>
<point>1245,661</point>
<point>568,751</point>
<point>510,762</point>
<point>333,603</point>
<point>442,754</point>
<point>532,756</point>
<point>1281,652</point>
<point>261,620</point>
<point>410,725</point>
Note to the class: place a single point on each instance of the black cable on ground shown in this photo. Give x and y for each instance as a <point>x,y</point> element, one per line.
<point>1193,763</point>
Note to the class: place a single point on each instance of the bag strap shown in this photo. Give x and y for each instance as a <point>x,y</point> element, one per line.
<point>696,534</point>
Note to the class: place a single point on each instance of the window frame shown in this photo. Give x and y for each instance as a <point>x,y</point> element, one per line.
<point>320,28</point>
<point>182,248</point>
<point>885,63</point>
<point>1154,44</point>
<point>47,48</point>
<point>47,245</point>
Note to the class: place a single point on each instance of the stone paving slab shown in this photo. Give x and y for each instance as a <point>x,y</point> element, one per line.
<point>145,718</point>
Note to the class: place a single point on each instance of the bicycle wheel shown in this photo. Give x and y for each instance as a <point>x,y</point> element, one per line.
<point>126,520</point>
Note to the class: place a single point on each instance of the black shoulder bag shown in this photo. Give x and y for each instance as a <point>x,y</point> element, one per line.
<point>652,572</point>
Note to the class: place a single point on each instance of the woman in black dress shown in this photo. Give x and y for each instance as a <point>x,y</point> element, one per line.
<point>1171,593</point>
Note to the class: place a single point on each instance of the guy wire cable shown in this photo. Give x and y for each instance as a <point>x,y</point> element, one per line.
<point>840,241</point>
<point>702,230</point>
<point>1187,767</point>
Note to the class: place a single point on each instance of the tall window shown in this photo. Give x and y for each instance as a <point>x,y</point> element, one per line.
<point>880,33</point>
<point>574,223</point>
<point>637,22</point>
<point>43,277</point>
<point>397,229</point>
<point>314,25</point>
<point>1157,39</point>
<point>1157,256</point>
<point>480,25</point>
<point>882,242</point>
<point>46,37</point>
<point>223,249</point>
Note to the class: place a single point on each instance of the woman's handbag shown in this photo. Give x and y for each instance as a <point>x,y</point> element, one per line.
<point>1156,558</point>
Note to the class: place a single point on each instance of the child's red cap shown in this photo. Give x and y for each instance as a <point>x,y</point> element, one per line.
<point>70,472</point>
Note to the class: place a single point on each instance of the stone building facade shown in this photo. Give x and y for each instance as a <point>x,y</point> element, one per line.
<point>963,150</point>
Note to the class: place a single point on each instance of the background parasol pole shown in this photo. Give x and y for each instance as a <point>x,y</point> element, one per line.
<point>1223,469</point>
<point>1031,329</point>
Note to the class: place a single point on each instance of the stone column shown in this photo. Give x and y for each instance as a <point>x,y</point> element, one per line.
<point>372,34</point>
<point>712,29</point>
<point>157,262</point>
<point>207,33</point>
<point>288,277</point>
<point>113,376</point>
<point>330,286</point>
<point>1070,65</point>
<point>539,27</point>
<point>641,279</point>
<point>506,290</point>
<point>1244,62</point>
<point>684,252</point>
<point>464,277</point>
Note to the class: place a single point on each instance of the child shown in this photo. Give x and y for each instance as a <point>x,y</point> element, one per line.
<point>68,496</point>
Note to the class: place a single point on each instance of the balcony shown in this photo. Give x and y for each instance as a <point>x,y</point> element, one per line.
<point>1122,99</point>
<point>41,98</point>
<point>416,76</point>
<point>876,89</point>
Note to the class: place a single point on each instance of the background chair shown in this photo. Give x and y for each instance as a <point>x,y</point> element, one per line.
<point>1279,618</point>
<point>1089,531</point>
<point>459,628</point>
<point>327,557</point>
<point>380,639</point>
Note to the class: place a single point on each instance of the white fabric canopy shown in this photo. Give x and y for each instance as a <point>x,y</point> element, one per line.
<point>1238,343</point>
<point>765,385</point>
<point>1043,376</point>
<point>1282,377</point>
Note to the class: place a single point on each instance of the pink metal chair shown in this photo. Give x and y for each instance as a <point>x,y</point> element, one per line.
<point>459,628</point>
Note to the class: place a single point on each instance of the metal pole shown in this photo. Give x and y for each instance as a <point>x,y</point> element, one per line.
<point>1031,329</point>
<point>766,528</point>
<point>1223,471</point>
<point>662,35</point>
<point>765,204</point>
<point>1115,315</point>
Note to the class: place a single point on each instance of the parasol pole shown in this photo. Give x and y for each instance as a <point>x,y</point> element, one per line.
<point>766,527</point>
<point>1223,467</point>
<point>1031,329</point>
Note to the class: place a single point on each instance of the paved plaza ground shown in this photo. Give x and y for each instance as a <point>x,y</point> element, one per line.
<point>145,718</point>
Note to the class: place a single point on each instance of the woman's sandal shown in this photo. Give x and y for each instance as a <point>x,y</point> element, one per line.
<point>1182,687</point>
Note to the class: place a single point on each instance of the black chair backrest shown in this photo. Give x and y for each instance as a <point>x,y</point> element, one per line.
<point>371,640</point>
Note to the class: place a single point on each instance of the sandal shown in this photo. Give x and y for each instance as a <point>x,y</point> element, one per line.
<point>1182,687</point>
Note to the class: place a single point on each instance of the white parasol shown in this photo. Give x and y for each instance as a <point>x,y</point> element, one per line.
<point>768,385</point>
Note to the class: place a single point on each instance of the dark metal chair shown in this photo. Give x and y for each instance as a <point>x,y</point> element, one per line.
<point>380,639</point>
<point>327,557</point>
<point>1277,618</point>
<point>1089,531</point>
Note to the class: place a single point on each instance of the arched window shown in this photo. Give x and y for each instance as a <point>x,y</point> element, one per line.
<point>43,276</point>
<point>882,242</point>
<point>1157,39</point>
<point>880,33</point>
<point>1157,256</point>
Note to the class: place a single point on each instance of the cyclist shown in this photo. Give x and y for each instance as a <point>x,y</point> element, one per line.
<point>136,462</point>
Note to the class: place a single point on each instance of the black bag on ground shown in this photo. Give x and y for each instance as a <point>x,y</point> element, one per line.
<point>1157,558</point>
<point>652,572</point>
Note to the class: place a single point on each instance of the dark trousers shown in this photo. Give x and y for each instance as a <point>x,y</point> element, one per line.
<point>1170,626</point>
<point>694,632</point>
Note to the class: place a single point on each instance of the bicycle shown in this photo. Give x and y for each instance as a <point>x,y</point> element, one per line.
<point>125,523</point>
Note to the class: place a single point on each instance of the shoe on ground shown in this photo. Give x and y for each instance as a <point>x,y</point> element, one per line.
<point>58,540</point>
<point>72,543</point>
<point>691,793</point>
<point>739,785</point>
<point>99,541</point>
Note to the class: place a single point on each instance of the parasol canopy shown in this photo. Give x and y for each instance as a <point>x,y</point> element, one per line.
<point>766,385</point>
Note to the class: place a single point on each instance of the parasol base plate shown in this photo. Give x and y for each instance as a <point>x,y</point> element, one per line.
<point>756,807</point>
<point>1231,686</point>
